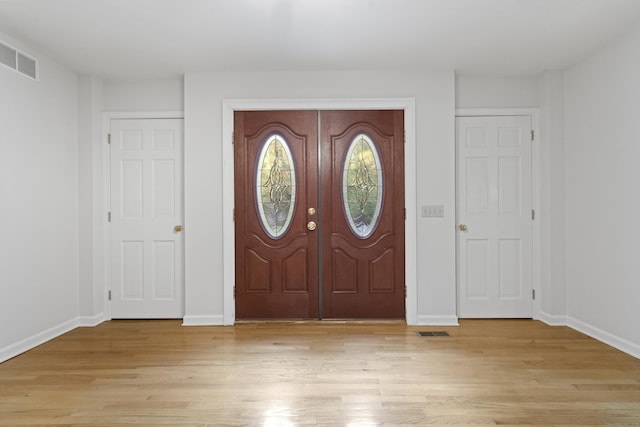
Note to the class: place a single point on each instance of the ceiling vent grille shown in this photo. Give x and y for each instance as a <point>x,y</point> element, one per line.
<point>18,61</point>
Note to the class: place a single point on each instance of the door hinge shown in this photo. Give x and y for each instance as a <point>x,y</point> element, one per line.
<point>404,136</point>
<point>533,214</point>
<point>234,214</point>
<point>108,138</point>
<point>404,213</point>
<point>233,138</point>
<point>234,292</point>
<point>108,216</point>
<point>533,293</point>
<point>533,135</point>
<point>109,295</point>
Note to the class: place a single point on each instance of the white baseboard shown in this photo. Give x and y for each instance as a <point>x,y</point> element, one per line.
<point>27,344</point>
<point>607,338</point>
<point>91,321</point>
<point>552,319</point>
<point>217,320</point>
<point>437,321</point>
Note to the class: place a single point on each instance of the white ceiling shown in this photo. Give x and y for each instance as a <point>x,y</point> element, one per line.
<point>161,38</point>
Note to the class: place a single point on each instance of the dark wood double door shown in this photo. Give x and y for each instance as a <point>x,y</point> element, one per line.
<point>319,214</point>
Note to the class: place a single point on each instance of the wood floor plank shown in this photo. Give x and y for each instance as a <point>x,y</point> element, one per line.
<point>158,373</point>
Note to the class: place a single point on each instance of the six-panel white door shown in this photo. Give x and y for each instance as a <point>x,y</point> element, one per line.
<point>494,217</point>
<point>146,218</point>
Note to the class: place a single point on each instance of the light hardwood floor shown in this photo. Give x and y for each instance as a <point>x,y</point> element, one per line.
<point>158,373</point>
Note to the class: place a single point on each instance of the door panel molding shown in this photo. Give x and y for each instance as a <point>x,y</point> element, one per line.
<point>536,148</point>
<point>146,216</point>
<point>406,104</point>
<point>101,201</point>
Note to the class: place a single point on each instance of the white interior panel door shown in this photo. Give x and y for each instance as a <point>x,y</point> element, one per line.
<point>494,217</point>
<point>146,218</point>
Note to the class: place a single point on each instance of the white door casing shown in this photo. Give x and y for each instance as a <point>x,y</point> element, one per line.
<point>494,216</point>
<point>146,182</point>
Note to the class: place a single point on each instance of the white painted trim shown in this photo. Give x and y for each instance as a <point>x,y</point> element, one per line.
<point>437,321</point>
<point>104,176</point>
<point>33,341</point>
<point>217,320</point>
<point>605,337</point>
<point>551,319</point>
<point>534,113</point>
<point>104,225</point>
<point>406,104</point>
<point>143,115</point>
<point>91,321</point>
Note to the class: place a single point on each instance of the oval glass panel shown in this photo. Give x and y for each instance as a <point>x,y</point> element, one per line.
<point>275,186</point>
<point>362,186</point>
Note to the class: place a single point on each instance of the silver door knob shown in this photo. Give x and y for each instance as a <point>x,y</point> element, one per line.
<point>177,229</point>
<point>462,227</point>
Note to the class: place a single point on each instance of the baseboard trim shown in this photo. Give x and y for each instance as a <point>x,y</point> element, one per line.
<point>552,319</point>
<point>437,321</point>
<point>605,337</point>
<point>27,344</point>
<point>91,321</point>
<point>203,320</point>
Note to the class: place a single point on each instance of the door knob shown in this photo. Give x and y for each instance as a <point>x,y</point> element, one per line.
<point>311,211</point>
<point>462,227</point>
<point>177,229</point>
<point>311,225</point>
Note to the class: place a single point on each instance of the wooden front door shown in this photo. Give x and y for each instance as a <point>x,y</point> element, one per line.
<point>363,214</point>
<point>319,214</point>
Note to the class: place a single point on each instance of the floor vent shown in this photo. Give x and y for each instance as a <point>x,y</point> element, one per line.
<point>434,334</point>
<point>18,61</point>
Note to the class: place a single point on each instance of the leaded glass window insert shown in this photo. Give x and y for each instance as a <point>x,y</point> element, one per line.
<point>362,186</point>
<point>275,186</point>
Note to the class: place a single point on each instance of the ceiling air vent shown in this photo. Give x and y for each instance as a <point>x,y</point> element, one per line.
<point>18,61</point>
<point>7,56</point>
<point>27,65</point>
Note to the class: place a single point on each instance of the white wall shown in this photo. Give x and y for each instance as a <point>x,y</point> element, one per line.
<point>603,195</point>
<point>496,92</point>
<point>551,215</point>
<point>91,196</point>
<point>143,95</point>
<point>434,96</point>
<point>38,205</point>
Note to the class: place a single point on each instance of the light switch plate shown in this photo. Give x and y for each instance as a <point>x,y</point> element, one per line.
<point>432,211</point>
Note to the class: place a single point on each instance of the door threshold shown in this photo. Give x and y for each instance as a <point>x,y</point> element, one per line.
<point>324,321</point>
